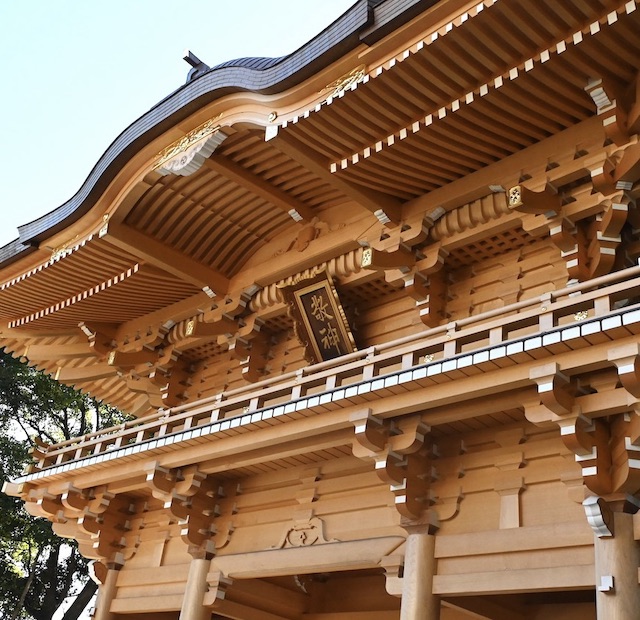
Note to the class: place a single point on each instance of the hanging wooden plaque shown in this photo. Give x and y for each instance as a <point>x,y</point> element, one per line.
<point>320,321</point>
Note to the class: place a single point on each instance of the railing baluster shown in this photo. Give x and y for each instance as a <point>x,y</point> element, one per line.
<point>451,346</point>
<point>496,335</point>
<point>602,305</point>
<point>540,315</point>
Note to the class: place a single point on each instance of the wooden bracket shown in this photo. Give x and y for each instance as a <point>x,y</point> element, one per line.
<point>92,501</point>
<point>100,335</point>
<point>599,516</point>
<point>221,320</point>
<point>432,307</point>
<point>192,499</point>
<point>217,586</point>
<point>254,355</point>
<point>562,233</point>
<point>412,435</point>
<point>370,432</point>
<point>402,459</point>
<point>427,284</point>
<point>547,202</point>
<point>173,383</point>
<point>608,451</point>
<point>614,117</point>
<point>447,505</point>
<point>627,170</point>
<point>412,232</point>
<point>160,480</point>
<point>554,388</point>
<point>432,259</point>
<point>126,361</point>
<point>614,215</point>
<point>627,360</point>
<point>576,433</point>
<point>393,565</point>
<point>402,259</point>
<point>198,328</point>
<point>602,172</point>
<point>46,505</point>
<point>114,533</point>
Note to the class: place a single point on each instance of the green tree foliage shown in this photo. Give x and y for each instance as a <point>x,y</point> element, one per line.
<point>38,570</point>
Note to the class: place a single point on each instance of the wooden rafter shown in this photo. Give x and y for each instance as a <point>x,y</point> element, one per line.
<point>477,184</point>
<point>166,258</point>
<point>224,166</point>
<point>85,374</point>
<point>44,352</point>
<point>386,208</point>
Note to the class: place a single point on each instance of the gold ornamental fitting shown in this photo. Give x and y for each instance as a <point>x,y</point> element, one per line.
<point>367,258</point>
<point>179,146</point>
<point>515,197</point>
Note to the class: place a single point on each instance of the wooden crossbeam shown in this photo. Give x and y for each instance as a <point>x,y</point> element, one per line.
<point>387,209</point>
<point>297,209</point>
<point>85,374</point>
<point>507,171</point>
<point>166,258</point>
<point>482,608</point>
<point>129,360</point>
<point>46,352</point>
<point>200,329</point>
<point>230,609</point>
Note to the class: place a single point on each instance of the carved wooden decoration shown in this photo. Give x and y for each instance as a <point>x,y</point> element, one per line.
<point>304,533</point>
<point>403,459</point>
<point>186,155</point>
<point>489,245</point>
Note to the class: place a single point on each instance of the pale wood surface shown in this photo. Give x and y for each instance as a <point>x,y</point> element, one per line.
<point>492,181</point>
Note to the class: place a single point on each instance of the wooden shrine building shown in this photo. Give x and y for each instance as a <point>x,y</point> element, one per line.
<point>375,307</point>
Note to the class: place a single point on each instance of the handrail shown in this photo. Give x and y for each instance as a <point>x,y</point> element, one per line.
<point>538,315</point>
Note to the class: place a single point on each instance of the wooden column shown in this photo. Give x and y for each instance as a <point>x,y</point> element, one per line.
<point>196,588</point>
<point>418,600</point>
<point>106,594</point>
<point>617,562</point>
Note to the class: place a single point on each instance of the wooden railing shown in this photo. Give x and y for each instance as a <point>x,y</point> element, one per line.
<point>609,302</point>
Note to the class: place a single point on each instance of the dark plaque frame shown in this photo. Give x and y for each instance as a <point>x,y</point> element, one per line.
<point>320,322</point>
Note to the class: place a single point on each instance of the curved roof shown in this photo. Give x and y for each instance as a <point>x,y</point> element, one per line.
<point>365,22</point>
<point>443,115</point>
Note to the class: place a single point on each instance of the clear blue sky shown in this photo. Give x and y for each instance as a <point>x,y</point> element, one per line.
<point>75,73</point>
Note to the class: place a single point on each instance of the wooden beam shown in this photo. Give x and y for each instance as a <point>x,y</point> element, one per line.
<point>85,374</point>
<point>100,336</point>
<point>297,209</point>
<point>320,250</point>
<point>166,258</point>
<point>129,360</point>
<point>506,171</point>
<point>238,611</point>
<point>48,352</point>
<point>353,615</point>
<point>255,592</point>
<point>173,313</point>
<point>386,208</point>
<point>200,329</point>
<point>550,578</point>
<point>18,335</point>
<point>483,608</point>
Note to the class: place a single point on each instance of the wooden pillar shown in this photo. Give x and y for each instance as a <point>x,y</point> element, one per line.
<point>617,561</point>
<point>196,588</point>
<point>106,594</point>
<point>418,600</point>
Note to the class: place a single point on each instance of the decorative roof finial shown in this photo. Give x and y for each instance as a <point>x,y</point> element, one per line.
<point>198,67</point>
